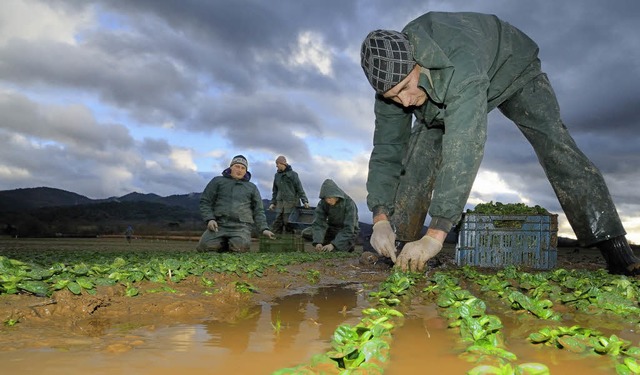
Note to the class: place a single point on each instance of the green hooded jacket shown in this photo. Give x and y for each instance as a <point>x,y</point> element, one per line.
<point>287,190</point>
<point>227,199</point>
<point>471,63</point>
<point>343,217</point>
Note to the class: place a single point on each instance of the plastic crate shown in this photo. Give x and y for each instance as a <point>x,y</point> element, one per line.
<point>282,244</point>
<point>504,240</point>
<point>301,218</point>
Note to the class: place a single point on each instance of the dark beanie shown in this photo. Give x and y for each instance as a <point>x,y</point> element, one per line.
<point>239,159</point>
<point>386,58</point>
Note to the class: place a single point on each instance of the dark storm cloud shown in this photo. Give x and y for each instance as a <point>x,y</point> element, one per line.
<point>227,71</point>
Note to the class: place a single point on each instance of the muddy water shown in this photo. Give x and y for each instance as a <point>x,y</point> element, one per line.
<point>284,333</point>
<point>271,336</point>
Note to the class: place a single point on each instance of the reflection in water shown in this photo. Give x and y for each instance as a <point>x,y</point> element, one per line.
<point>234,336</point>
<point>286,323</point>
<point>252,345</point>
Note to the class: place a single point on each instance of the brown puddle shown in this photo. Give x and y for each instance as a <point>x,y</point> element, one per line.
<point>284,333</point>
<point>271,336</point>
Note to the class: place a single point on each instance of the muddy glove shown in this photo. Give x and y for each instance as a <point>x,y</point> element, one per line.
<point>319,247</point>
<point>383,239</point>
<point>414,255</point>
<point>212,225</point>
<point>272,207</point>
<point>328,247</point>
<point>306,205</point>
<point>269,234</point>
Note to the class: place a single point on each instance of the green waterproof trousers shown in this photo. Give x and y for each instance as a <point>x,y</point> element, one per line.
<point>231,236</point>
<point>578,184</point>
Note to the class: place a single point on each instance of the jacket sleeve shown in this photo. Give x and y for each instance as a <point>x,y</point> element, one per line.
<point>274,190</point>
<point>319,225</point>
<point>300,190</point>
<point>347,234</point>
<point>390,139</point>
<point>465,120</point>
<point>257,206</point>
<point>208,200</point>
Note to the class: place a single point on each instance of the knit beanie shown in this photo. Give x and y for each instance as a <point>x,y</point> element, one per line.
<point>240,159</point>
<point>281,160</point>
<point>386,58</point>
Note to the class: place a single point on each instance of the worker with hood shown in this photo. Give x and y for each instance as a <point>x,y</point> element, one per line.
<point>335,223</point>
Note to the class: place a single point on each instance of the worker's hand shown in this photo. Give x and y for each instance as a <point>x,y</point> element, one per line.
<point>269,234</point>
<point>383,239</point>
<point>272,207</point>
<point>319,247</point>
<point>414,255</point>
<point>306,205</point>
<point>328,247</point>
<point>212,225</point>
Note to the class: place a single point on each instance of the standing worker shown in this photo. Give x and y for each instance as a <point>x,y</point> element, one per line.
<point>287,194</point>
<point>335,224</point>
<point>448,70</point>
<point>231,205</point>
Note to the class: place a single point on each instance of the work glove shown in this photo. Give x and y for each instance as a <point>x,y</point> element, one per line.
<point>383,239</point>
<point>306,205</point>
<point>319,247</point>
<point>269,234</point>
<point>272,207</point>
<point>328,247</point>
<point>414,255</point>
<point>212,225</point>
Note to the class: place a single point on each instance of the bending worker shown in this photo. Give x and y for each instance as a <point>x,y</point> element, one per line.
<point>448,70</point>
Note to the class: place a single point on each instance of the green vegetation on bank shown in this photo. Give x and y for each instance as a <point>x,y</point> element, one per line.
<point>499,208</point>
<point>80,271</point>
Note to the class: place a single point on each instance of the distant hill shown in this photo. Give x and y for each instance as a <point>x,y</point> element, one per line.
<point>25,199</point>
<point>45,211</point>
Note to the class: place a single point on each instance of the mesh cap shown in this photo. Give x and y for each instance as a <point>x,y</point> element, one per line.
<point>386,58</point>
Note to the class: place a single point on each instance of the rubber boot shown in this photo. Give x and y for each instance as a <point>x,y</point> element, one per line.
<point>619,256</point>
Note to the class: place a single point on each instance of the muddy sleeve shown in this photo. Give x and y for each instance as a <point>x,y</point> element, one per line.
<point>390,139</point>
<point>463,143</point>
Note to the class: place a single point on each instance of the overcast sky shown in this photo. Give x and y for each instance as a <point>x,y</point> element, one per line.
<point>103,98</point>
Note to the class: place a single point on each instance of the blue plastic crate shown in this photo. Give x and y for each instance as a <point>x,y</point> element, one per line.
<point>504,240</point>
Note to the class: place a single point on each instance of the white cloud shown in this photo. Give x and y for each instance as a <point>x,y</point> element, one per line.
<point>183,159</point>
<point>312,51</point>
<point>36,20</point>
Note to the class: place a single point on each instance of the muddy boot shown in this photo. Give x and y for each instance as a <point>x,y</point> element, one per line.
<point>619,256</point>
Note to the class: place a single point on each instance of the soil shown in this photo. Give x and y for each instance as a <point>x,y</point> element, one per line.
<point>53,321</point>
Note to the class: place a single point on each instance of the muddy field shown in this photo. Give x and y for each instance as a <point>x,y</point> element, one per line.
<point>111,325</point>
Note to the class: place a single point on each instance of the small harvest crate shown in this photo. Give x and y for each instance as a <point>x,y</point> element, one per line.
<point>301,218</point>
<point>282,244</point>
<point>504,240</point>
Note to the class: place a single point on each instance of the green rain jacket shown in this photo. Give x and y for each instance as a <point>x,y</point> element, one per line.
<point>471,63</point>
<point>287,190</point>
<point>343,217</point>
<point>226,199</point>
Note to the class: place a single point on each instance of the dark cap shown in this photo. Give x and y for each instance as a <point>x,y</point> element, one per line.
<point>386,58</point>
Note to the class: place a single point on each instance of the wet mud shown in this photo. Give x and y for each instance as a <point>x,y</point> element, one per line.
<point>286,321</point>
